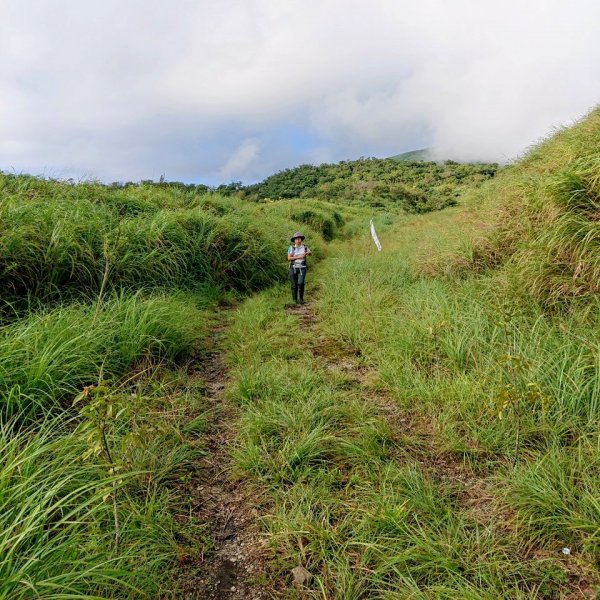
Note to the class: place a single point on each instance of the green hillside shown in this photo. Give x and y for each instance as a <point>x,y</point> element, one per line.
<point>414,155</point>
<point>425,427</point>
<point>389,184</point>
<point>106,295</point>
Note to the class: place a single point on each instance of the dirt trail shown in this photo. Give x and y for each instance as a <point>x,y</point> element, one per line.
<point>231,569</point>
<point>237,566</point>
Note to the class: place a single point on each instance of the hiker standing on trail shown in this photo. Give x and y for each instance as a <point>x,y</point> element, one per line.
<point>297,254</point>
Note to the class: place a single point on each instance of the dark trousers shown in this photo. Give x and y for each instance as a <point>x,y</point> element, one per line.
<point>297,277</point>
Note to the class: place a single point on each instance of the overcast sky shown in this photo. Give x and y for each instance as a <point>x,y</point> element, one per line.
<point>222,90</point>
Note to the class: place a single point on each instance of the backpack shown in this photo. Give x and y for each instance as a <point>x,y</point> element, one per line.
<point>304,263</point>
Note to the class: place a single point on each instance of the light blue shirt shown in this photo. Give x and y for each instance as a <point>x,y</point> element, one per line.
<point>293,250</point>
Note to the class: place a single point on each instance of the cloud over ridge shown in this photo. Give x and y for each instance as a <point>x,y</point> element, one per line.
<point>206,91</point>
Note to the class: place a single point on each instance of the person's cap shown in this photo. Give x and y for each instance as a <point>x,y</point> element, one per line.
<point>296,235</point>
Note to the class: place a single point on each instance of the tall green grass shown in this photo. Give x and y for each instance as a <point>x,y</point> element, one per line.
<point>493,347</point>
<point>59,240</point>
<point>500,359</point>
<point>434,340</point>
<point>78,523</point>
<point>46,358</point>
<point>103,287</point>
<point>57,530</point>
<point>557,498</point>
<point>545,219</point>
<point>80,518</point>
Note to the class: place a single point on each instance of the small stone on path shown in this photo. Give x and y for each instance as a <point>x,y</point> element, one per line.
<point>301,575</point>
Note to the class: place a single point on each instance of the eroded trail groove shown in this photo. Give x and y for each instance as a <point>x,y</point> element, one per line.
<point>231,568</point>
<point>414,437</point>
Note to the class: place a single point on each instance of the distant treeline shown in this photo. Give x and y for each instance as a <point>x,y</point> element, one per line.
<point>415,186</point>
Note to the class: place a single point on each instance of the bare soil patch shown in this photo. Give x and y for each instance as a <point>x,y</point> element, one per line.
<point>232,569</point>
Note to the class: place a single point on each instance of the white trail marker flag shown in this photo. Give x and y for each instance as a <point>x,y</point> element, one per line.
<point>374,236</point>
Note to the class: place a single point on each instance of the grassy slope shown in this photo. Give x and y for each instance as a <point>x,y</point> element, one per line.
<point>490,468</point>
<point>113,287</point>
<point>348,497</point>
<point>57,239</point>
<point>86,507</point>
<point>413,155</point>
<point>505,362</point>
<point>545,215</point>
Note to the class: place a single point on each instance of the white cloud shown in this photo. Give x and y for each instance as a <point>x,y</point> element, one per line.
<point>128,90</point>
<point>241,160</point>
